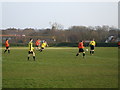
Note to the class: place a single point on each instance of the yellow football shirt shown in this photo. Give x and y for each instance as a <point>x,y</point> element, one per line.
<point>43,45</point>
<point>92,43</point>
<point>31,48</point>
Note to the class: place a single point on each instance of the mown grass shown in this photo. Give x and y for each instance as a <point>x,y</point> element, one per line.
<point>60,68</point>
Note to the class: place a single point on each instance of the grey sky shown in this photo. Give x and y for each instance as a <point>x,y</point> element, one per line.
<point>39,14</point>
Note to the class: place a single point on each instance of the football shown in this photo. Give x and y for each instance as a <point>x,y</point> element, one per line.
<point>86,49</point>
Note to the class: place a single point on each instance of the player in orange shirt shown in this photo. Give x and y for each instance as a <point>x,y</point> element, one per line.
<point>37,43</point>
<point>7,45</point>
<point>81,49</point>
<point>119,44</point>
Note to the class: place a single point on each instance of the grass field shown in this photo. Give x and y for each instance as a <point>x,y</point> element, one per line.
<point>60,68</point>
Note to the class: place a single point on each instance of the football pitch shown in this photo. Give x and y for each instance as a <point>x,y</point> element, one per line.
<point>59,68</point>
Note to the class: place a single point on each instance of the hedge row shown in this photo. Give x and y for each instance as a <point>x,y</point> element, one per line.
<point>69,44</point>
<point>85,44</point>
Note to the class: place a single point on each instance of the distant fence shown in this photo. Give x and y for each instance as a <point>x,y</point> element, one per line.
<point>65,44</point>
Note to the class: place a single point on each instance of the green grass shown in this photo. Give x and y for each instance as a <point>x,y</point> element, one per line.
<point>60,68</point>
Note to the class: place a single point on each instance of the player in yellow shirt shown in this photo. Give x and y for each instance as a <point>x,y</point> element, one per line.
<point>44,44</point>
<point>92,46</point>
<point>31,49</point>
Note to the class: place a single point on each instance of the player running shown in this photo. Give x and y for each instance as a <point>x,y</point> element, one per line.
<point>7,45</point>
<point>37,43</point>
<point>92,46</point>
<point>81,49</point>
<point>44,44</point>
<point>31,49</point>
<point>119,44</point>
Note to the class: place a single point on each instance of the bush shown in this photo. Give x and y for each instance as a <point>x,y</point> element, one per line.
<point>85,44</point>
<point>106,44</point>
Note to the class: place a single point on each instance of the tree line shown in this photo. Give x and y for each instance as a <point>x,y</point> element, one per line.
<point>72,34</point>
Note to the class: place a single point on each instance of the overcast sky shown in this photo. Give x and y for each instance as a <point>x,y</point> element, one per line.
<point>39,14</point>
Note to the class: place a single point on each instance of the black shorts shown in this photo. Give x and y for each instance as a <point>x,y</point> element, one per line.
<point>36,45</point>
<point>30,52</point>
<point>81,50</point>
<point>42,48</point>
<point>7,47</point>
<point>92,47</point>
